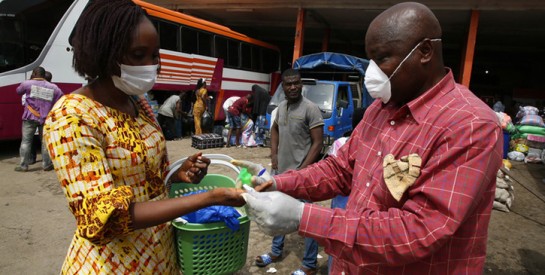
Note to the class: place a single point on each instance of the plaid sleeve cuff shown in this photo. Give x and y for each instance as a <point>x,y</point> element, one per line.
<point>315,222</point>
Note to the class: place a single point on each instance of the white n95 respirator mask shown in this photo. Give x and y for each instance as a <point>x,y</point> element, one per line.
<point>378,83</point>
<point>136,80</point>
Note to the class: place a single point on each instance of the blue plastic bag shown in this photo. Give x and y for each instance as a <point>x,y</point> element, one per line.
<point>216,213</point>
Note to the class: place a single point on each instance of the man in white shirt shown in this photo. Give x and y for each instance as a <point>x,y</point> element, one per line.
<point>169,113</point>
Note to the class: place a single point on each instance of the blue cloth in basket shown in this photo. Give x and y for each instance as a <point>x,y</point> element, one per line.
<point>215,213</point>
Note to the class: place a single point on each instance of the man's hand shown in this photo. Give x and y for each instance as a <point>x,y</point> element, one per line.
<point>274,212</point>
<point>274,162</point>
<point>260,175</point>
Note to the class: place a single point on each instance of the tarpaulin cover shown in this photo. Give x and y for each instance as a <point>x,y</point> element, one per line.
<point>333,60</point>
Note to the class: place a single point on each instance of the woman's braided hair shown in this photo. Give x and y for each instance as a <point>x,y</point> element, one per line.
<point>102,35</point>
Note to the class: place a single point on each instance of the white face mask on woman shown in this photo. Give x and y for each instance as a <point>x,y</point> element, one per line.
<point>378,83</point>
<point>135,80</point>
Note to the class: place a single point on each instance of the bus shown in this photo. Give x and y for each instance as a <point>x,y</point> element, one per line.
<point>36,33</point>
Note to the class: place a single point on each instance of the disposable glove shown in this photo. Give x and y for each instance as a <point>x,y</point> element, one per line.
<point>274,212</point>
<point>259,173</point>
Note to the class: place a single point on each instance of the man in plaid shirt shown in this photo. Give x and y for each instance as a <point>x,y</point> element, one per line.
<point>432,215</point>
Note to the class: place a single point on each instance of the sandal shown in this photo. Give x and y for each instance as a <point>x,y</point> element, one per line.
<point>265,259</point>
<point>301,271</point>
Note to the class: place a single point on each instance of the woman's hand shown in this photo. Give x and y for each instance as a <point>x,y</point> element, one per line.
<point>194,168</point>
<point>228,196</point>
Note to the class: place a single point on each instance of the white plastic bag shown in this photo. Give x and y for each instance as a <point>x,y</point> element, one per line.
<point>515,155</point>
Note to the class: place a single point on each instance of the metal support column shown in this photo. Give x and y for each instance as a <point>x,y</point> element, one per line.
<point>469,53</point>
<point>299,35</point>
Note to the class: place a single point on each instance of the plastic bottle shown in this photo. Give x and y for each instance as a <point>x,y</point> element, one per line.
<point>245,177</point>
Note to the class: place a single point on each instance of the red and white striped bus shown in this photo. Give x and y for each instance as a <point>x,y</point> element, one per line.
<point>36,33</point>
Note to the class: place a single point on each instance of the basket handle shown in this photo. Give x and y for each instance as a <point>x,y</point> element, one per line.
<point>219,159</point>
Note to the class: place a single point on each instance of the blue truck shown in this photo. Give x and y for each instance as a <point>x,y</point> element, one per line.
<point>334,82</point>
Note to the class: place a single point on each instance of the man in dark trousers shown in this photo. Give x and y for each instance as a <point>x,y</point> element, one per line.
<point>261,99</point>
<point>40,96</point>
<point>235,122</point>
<point>296,142</point>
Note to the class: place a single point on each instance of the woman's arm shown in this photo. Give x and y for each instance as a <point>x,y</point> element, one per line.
<point>146,214</point>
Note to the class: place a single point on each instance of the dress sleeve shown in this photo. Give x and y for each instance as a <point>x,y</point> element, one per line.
<point>75,145</point>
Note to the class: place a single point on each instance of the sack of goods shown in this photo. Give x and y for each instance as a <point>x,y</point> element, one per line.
<point>505,193</point>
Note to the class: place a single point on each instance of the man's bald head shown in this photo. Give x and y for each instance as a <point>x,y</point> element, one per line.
<point>405,39</point>
<point>408,22</point>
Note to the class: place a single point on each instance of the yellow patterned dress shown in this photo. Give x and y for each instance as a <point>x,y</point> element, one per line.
<point>106,159</point>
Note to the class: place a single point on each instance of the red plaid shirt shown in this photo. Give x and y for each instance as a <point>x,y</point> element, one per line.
<point>440,226</point>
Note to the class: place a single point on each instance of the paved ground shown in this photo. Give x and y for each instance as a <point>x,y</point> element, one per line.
<point>36,226</point>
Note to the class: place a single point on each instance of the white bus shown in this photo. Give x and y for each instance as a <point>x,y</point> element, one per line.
<point>36,33</point>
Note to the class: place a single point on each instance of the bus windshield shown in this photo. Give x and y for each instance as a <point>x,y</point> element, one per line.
<point>25,27</point>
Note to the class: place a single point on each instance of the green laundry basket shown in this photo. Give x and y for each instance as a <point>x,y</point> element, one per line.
<point>210,248</point>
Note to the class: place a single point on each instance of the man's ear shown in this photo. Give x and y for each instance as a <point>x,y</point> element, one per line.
<point>426,51</point>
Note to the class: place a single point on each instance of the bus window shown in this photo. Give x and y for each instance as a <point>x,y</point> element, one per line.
<point>221,48</point>
<point>168,34</point>
<point>25,30</point>
<point>190,41</point>
<point>256,59</point>
<point>270,60</point>
<point>246,56</point>
<point>233,48</point>
<point>205,43</point>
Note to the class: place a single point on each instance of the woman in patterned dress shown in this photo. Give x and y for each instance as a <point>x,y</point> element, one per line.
<point>110,155</point>
<point>200,105</point>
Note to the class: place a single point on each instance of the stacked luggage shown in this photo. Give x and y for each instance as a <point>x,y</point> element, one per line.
<point>528,141</point>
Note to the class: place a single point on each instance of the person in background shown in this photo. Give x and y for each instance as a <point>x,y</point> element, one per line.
<point>39,96</point>
<point>169,114</point>
<point>110,155</point>
<point>228,102</point>
<point>498,105</point>
<point>186,115</point>
<point>419,169</point>
<point>247,137</point>
<point>201,98</point>
<point>296,142</point>
<point>48,76</point>
<point>235,123</point>
<point>261,100</point>
<point>36,142</point>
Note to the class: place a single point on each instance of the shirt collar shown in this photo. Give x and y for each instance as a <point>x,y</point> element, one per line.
<point>295,103</point>
<point>420,106</point>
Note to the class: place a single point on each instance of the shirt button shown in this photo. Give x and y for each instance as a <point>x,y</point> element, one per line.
<point>407,116</point>
<point>379,153</point>
<point>392,123</point>
<point>367,184</point>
